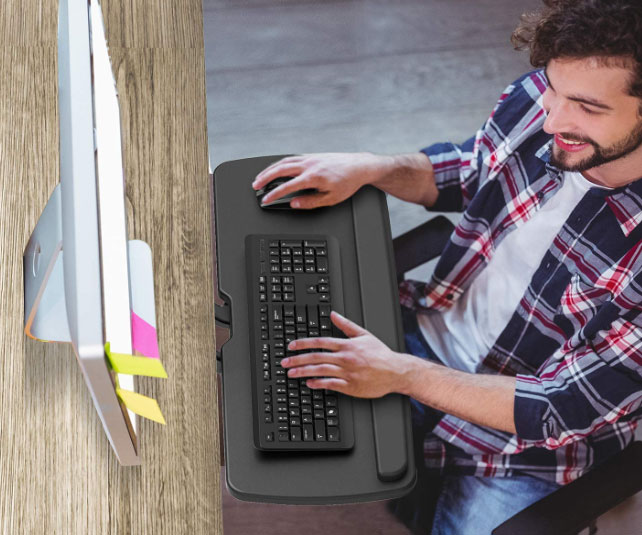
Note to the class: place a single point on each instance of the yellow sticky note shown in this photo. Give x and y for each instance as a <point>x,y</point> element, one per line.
<point>141,405</point>
<point>132,365</point>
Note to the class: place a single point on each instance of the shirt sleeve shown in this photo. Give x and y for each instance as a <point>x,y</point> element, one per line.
<point>578,392</point>
<point>461,169</point>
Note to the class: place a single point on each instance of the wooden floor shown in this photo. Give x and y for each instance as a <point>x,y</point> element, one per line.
<point>294,76</point>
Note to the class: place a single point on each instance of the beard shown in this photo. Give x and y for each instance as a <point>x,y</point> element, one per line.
<point>600,156</point>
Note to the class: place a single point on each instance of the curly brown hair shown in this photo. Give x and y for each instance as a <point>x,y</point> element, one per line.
<point>610,30</point>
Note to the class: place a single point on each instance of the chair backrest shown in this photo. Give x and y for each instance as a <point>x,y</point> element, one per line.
<point>421,244</point>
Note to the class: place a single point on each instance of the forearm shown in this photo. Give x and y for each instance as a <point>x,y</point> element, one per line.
<point>408,177</point>
<point>486,400</point>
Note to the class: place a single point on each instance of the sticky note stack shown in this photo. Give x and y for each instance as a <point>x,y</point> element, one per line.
<point>146,362</point>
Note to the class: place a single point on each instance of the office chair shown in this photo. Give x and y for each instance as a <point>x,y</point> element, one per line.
<point>573,507</point>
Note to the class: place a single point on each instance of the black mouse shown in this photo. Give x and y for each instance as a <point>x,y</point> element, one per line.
<point>284,202</point>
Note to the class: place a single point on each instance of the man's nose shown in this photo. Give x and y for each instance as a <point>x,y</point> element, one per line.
<point>557,118</point>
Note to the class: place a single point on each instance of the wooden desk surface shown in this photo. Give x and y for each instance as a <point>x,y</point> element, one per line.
<point>57,471</point>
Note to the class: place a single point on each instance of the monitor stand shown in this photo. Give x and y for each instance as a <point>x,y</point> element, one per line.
<point>44,289</point>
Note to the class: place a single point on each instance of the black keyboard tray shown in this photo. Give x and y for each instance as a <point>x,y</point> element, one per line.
<point>381,463</point>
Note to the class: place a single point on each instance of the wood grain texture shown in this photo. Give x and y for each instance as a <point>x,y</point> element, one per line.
<point>57,471</point>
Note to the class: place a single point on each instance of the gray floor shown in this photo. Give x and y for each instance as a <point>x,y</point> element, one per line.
<point>297,76</point>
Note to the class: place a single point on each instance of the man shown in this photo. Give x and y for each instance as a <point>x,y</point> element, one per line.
<point>527,342</point>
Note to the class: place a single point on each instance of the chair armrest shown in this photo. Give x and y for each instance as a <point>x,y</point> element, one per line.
<point>573,507</point>
<point>421,244</point>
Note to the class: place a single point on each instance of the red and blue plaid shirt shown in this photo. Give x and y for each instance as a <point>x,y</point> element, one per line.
<point>574,343</point>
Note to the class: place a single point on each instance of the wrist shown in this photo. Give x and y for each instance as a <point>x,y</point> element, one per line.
<point>412,371</point>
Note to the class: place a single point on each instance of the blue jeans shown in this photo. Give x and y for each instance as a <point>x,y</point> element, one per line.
<point>452,504</point>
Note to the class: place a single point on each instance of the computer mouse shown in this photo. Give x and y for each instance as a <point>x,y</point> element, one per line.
<point>282,203</point>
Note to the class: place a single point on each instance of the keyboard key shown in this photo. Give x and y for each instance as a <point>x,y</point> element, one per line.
<point>322,265</point>
<point>314,243</point>
<point>290,243</point>
<point>324,311</point>
<point>319,430</point>
<point>269,437</point>
<point>333,434</point>
<point>284,436</point>
<point>308,433</point>
<point>295,434</point>
<point>313,317</point>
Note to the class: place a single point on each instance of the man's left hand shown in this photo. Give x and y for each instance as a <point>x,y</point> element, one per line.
<point>361,365</point>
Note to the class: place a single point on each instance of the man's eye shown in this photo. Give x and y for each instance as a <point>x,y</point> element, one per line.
<point>588,110</point>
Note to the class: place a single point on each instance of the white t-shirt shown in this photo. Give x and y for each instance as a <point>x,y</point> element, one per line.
<point>462,335</point>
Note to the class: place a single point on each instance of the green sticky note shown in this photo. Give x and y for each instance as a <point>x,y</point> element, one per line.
<point>141,405</point>
<point>132,365</point>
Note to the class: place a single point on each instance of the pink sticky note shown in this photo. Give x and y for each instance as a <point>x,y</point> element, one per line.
<point>144,341</point>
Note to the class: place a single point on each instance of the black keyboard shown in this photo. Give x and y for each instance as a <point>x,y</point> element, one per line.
<point>294,282</point>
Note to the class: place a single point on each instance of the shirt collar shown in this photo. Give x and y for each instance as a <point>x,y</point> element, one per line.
<point>625,201</point>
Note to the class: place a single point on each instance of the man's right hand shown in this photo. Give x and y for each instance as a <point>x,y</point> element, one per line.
<point>335,175</point>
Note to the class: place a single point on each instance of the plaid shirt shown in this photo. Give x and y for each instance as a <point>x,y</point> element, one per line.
<point>574,343</point>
